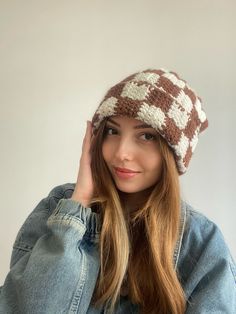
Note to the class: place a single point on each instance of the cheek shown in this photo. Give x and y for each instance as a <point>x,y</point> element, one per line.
<point>155,162</point>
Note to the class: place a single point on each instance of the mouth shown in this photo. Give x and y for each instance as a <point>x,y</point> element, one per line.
<point>125,170</point>
<point>124,173</point>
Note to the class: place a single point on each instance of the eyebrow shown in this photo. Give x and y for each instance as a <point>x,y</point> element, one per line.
<point>140,126</point>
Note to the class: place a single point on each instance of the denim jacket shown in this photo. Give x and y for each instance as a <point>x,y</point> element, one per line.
<point>55,262</point>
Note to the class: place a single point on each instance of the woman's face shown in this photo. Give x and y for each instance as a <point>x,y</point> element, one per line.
<point>129,143</point>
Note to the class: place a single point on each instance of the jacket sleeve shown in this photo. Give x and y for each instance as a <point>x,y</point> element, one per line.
<point>210,275</point>
<point>55,267</point>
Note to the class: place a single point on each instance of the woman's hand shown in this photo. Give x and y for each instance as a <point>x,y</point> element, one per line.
<point>84,188</point>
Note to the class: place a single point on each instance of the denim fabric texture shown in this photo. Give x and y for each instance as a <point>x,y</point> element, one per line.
<point>55,262</point>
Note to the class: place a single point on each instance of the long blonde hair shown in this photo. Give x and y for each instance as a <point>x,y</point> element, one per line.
<point>141,246</point>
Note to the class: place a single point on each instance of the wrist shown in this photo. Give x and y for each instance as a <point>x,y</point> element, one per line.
<point>77,198</point>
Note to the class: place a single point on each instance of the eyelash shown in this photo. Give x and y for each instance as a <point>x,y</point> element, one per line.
<point>154,138</point>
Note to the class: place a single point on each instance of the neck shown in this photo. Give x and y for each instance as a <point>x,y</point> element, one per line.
<point>133,201</point>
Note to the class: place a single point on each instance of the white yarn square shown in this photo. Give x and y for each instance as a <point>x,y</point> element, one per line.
<point>181,165</point>
<point>152,115</point>
<point>194,139</point>
<point>201,114</point>
<point>182,146</point>
<point>107,108</point>
<point>180,117</point>
<point>135,92</point>
<point>148,77</point>
<point>174,80</point>
<point>185,101</point>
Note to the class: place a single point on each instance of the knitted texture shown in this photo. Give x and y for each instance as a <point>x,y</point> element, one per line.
<point>163,100</point>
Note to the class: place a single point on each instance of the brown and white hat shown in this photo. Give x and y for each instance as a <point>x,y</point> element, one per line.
<point>163,100</point>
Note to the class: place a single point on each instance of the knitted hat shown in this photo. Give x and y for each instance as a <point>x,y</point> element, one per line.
<point>161,99</point>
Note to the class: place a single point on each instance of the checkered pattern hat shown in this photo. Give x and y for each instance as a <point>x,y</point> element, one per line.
<point>163,100</point>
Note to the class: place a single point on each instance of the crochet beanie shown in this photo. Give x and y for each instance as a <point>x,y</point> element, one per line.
<point>163,100</point>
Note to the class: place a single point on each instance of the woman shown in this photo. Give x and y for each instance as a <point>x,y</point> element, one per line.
<point>121,240</point>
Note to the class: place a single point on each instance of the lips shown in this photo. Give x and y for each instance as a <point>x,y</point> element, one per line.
<point>125,174</point>
<point>125,170</point>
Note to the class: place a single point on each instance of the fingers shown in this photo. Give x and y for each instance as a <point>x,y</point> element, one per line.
<point>87,138</point>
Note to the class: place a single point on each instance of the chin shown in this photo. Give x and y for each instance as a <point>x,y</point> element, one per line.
<point>129,189</point>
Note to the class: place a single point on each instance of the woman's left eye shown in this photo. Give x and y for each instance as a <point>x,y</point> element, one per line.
<point>149,136</point>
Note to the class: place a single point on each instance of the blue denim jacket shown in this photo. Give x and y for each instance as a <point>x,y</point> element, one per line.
<point>55,262</point>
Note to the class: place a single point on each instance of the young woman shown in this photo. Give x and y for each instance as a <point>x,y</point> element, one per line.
<point>121,239</point>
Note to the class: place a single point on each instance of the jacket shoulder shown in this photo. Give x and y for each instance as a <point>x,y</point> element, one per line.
<point>201,233</point>
<point>62,191</point>
<point>203,249</point>
<point>57,193</point>
<point>34,225</point>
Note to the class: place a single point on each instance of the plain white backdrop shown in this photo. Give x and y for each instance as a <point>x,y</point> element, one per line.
<point>57,60</point>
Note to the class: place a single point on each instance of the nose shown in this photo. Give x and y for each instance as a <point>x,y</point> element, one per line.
<point>125,149</point>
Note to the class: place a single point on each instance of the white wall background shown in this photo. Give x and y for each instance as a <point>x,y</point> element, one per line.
<point>57,60</point>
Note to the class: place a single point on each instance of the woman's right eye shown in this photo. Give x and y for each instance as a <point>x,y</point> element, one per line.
<point>109,130</point>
